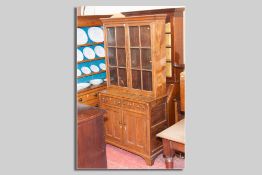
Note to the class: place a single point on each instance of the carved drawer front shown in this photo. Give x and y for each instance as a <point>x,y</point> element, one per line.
<point>111,101</point>
<point>134,106</point>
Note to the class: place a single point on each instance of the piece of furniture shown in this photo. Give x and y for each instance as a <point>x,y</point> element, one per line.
<point>89,95</point>
<point>135,99</point>
<point>91,148</point>
<point>173,140</point>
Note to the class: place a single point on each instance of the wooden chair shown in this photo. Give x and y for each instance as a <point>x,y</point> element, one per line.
<point>173,138</point>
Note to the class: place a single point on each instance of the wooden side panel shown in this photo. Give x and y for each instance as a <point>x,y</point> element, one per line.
<point>159,68</point>
<point>156,142</point>
<point>158,124</point>
<point>170,105</point>
<point>134,130</point>
<point>182,91</point>
<point>158,114</point>
<point>113,127</point>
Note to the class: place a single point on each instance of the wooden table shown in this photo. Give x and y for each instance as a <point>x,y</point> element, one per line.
<point>173,139</point>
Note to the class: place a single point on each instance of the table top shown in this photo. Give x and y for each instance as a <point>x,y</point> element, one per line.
<point>85,112</point>
<point>175,132</point>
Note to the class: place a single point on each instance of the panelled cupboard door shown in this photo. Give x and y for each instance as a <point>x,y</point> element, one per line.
<point>113,124</point>
<point>134,130</point>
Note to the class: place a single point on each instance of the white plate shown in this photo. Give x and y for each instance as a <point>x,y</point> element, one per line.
<point>81,36</point>
<point>85,70</point>
<point>89,53</point>
<point>96,81</point>
<point>96,34</point>
<point>79,55</point>
<point>79,73</point>
<point>105,79</point>
<point>102,66</point>
<point>82,86</point>
<point>100,51</point>
<point>94,68</point>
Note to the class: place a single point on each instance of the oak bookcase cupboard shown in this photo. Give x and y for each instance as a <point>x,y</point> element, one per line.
<point>89,96</point>
<point>135,98</point>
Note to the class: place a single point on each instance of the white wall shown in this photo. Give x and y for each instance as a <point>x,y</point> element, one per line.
<point>105,10</point>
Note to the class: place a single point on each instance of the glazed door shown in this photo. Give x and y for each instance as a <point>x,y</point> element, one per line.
<point>113,124</point>
<point>134,126</point>
<point>140,57</point>
<point>116,53</point>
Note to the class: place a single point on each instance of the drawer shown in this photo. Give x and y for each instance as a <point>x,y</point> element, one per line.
<point>134,106</point>
<point>92,96</point>
<point>81,99</point>
<point>93,102</point>
<point>87,97</point>
<point>110,101</point>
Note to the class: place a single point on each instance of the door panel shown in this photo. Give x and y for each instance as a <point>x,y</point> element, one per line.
<point>134,130</point>
<point>113,127</point>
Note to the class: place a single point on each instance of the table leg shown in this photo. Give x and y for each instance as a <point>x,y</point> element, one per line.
<point>169,153</point>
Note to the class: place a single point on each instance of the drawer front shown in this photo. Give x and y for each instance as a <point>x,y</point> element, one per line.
<point>81,99</point>
<point>134,106</point>
<point>110,101</point>
<point>92,96</point>
<point>93,102</point>
<point>89,95</point>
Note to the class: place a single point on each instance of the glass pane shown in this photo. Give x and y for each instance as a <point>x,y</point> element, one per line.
<point>146,59</point>
<point>147,80</point>
<point>169,69</point>
<point>113,75</point>
<point>168,39</point>
<point>120,36</point>
<point>112,56</point>
<point>111,36</point>
<point>121,56</point>
<point>145,36</point>
<point>122,77</point>
<point>135,58</point>
<point>168,54</point>
<point>168,27</point>
<point>136,79</point>
<point>134,36</point>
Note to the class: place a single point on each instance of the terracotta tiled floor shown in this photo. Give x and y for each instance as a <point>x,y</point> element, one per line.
<point>120,159</point>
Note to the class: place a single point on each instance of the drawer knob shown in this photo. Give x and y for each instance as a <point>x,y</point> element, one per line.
<point>80,100</point>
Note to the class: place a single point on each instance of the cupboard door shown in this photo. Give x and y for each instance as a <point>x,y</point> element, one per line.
<point>134,126</point>
<point>113,124</point>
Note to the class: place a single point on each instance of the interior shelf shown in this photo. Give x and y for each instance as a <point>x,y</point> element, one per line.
<point>90,60</point>
<point>90,44</point>
<point>94,73</point>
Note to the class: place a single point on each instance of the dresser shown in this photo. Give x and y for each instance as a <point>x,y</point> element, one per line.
<point>135,98</point>
<point>91,148</point>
